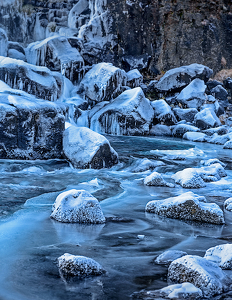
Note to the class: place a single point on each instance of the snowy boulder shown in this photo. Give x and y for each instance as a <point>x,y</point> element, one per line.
<point>221,255</point>
<point>144,164</point>
<point>3,42</point>
<point>81,266</point>
<point>204,274</point>
<point>195,136</point>
<point>228,204</point>
<point>85,148</point>
<point>186,114</point>
<point>228,145</point>
<point>180,129</point>
<point>220,139</point>
<point>160,130</point>
<point>134,78</point>
<point>212,161</point>
<point>221,130</point>
<point>156,179</point>
<point>163,113</point>
<point>189,178</point>
<point>77,206</point>
<point>57,54</point>
<point>206,118</point>
<point>188,206</point>
<point>38,81</point>
<point>129,114</point>
<point>103,82</point>
<point>177,78</point>
<point>169,256</point>
<point>193,95</point>
<point>214,172</point>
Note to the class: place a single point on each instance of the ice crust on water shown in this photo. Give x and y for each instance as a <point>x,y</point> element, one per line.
<point>169,256</point>
<point>77,206</point>
<point>221,255</point>
<point>188,206</point>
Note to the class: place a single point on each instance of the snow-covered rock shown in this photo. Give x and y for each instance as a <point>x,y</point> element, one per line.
<point>228,145</point>
<point>204,274</point>
<point>134,78</point>
<point>81,266</point>
<point>188,206</point>
<point>193,95</point>
<point>220,139</point>
<point>221,255</point>
<point>163,113</point>
<point>3,42</point>
<point>195,136</point>
<point>103,82</point>
<point>178,78</point>
<point>38,81</point>
<point>144,164</point>
<point>57,54</point>
<point>212,161</point>
<point>77,206</point>
<point>228,204</point>
<point>186,114</point>
<point>156,179</point>
<point>79,14</point>
<point>160,130</point>
<point>169,256</point>
<point>129,114</point>
<point>180,129</point>
<point>85,148</point>
<point>189,178</point>
<point>221,130</point>
<point>206,118</point>
<point>213,172</point>
<point>12,53</point>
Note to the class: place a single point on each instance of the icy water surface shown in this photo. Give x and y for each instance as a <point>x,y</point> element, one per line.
<point>31,242</point>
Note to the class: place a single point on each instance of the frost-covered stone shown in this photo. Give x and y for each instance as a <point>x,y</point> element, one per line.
<point>169,256</point>
<point>228,145</point>
<point>219,92</point>
<point>189,178</point>
<point>194,136</point>
<point>204,274</point>
<point>134,78</point>
<point>221,255</point>
<point>57,54</point>
<point>160,130</point>
<point>77,206</point>
<point>81,266</point>
<point>103,82</point>
<point>12,53</point>
<point>88,149</point>
<point>178,78</point>
<point>221,130</point>
<point>156,179</point>
<point>144,164</point>
<point>3,42</point>
<point>220,139</point>
<point>163,113</point>
<point>129,114</point>
<point>187,206</point>
<point>186,114</point>
<point>212,161</point>
<point>180,129</point>
<point>213,172</point>
<point>38,81</point>
<point>228,204</point>
<point>193,95</point>
<point>206,119</point>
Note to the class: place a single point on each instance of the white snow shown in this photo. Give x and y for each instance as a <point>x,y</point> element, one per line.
<point>189,178</point>
<point>144,164</point>
<point>185,290</point>
<point>208,117</point>
<point>134,78</point>
<point>221,255</point>
<point>228,204</point>
<point>194,136</point>
<point>163,112</point>
<point>156,179</point>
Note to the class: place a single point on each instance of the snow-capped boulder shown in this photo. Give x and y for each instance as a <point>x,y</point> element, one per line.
<point>221,255</point>
<point>57,54</point>
<point>77,206</point>
<point>180,129</point>
<point>38,81</point>
<point>212,161</point>
<point>228,145</point>
<point>169,256</point>
<point>134,78</point>
<point>103,82</point>
<point>175,79</point>
<point>85,148</point>
<point>221,130</point>
<point>188,206</point>
<point>189,178</point>
<point>195,136</point>
<point>156,179</point>
<point>228,204</point>
<point>204,274</point>
<point>193,95</point>
<point>160,130</point>
<point>219,139</point>
<point>3,42</point>
<point>186,114</point>
<point>144,164</point>
<point>206,118</point>
<point>81,266</point>
<point>214,172</point>
<point>163,113</point>
<point>129,114</point>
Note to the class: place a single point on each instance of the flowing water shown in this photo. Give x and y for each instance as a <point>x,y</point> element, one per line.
<point>125,246</point>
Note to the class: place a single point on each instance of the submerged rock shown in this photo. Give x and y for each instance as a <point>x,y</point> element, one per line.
<point>187,206</point>
<point>129,114</point>
<point>204,274</point>
<point>221,255</point>
<point>77,206</point>
<point>85,148</point>
<point>81,266</point>
<point>169,256</point>
<point>156,179</point>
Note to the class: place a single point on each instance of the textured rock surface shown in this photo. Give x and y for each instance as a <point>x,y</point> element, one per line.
<point>77,206</point>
